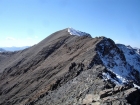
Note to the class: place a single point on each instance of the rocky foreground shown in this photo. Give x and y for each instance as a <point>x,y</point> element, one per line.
<point>66,69</point>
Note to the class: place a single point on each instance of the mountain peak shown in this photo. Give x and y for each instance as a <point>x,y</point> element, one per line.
<point>73,31</point>
<point>66,69</point>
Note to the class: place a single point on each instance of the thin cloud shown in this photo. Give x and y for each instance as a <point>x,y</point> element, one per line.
<point>10,38</point>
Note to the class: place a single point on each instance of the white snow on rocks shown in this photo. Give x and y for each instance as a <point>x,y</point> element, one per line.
<point>132,56</point>
<point>77,32</point>
<point>122,62</point>
<point>136,86</point>
<point>137,50</point>
<point>119,66</point>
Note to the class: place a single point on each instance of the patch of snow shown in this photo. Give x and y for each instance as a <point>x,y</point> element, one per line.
<point>136,86</point>
<point>137,50</point>
<point>116,64</point>
<point>77,32</point>
<point>132,56</point>
<point>106,76</point>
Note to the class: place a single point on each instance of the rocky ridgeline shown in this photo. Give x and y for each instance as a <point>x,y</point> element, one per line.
<point>66,69</point>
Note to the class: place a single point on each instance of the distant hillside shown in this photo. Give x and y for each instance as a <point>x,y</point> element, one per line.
<point>2,50</point>
<point>14,48</point>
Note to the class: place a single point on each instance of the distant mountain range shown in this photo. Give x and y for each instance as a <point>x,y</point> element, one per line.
<point>3,49</point>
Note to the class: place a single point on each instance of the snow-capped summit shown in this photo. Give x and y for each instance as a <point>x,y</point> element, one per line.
<point>77,32</point>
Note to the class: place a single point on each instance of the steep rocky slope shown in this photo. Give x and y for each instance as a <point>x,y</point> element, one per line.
<point>69,68</point>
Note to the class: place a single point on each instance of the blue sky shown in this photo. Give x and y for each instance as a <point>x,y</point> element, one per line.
<point>27,22</point>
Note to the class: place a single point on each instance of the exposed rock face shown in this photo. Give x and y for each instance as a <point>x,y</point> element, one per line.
<point>66,69</point>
